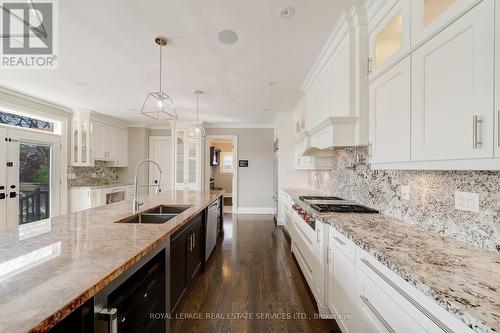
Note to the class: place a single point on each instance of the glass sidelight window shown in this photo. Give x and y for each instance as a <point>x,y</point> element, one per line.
<point>29,176</point>
<point>34,182</point>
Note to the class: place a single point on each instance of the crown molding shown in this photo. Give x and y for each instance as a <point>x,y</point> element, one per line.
<point>237,125</point>
<point>34,99</point>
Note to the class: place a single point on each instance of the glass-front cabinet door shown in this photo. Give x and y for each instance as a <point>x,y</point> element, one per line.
<point>431,16</point>
<point>80,139</point>
<point>389,39</point>
<point>187,161</point>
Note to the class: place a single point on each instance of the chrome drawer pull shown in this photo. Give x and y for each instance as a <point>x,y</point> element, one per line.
<point>339,240</point>
<point>413,302</point>
<point>476,121</point>
<point>377,314</point>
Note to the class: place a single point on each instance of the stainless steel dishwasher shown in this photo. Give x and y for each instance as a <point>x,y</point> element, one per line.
<point>211,239</point>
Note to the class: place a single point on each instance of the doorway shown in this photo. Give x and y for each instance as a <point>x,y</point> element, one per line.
<point>222,170</point>
<point>160,152</point>
<point>30,183</point>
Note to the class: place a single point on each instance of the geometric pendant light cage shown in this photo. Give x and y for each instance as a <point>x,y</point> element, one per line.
<point>158,105</point>
<point>197,131</point>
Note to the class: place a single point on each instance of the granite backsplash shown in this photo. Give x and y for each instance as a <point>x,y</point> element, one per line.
<point>100,174</point>
<point>432,203</point>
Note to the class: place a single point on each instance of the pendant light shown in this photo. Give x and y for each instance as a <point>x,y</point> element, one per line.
<point>158,105</point>
<point>196,131</point>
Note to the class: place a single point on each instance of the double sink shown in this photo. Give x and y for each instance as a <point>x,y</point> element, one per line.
<point>156,215</point>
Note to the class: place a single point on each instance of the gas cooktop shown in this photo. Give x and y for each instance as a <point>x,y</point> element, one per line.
<point>342,208</point>
<point>317,197</point>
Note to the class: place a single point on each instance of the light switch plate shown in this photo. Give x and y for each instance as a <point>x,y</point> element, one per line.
<point>467,201</point>
<point>405,192</point>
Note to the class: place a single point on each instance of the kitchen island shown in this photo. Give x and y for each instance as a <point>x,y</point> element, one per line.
<point>50,268</point>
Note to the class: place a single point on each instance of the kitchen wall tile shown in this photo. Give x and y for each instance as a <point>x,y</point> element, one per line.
<point>431,205</point>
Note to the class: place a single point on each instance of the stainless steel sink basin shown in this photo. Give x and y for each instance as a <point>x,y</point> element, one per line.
<point>149,218</point>
<point>156,215</point>
<point>168,209</point>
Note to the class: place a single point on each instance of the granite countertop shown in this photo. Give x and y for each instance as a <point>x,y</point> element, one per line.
<point>49,268</point>
<point>104,186</point>
<point>463,279</point>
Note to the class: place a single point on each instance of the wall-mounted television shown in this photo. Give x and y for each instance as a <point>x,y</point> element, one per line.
<point>214,156</point>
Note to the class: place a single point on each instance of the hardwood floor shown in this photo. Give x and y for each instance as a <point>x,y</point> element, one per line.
<point>251,284</point>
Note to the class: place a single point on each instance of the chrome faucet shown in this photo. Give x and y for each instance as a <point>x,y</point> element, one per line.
<point>136,203</point>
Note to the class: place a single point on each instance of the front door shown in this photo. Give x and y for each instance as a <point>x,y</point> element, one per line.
<point>29,176</point>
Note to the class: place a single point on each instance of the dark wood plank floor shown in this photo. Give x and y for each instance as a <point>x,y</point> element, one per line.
<point>250,276</point>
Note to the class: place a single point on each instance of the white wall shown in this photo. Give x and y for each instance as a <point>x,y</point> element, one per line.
<point>255,183</point>
<point>285,132</point>
<point>138,149</point>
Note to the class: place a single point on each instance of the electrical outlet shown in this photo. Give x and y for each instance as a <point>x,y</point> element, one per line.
<point>467,201</point>
<point>405,192</point>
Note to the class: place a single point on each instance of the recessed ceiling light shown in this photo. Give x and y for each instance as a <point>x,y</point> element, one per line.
<point>287,12</point>
<point>81,84</point>
<point>272,83</point>
<point>227,37</point>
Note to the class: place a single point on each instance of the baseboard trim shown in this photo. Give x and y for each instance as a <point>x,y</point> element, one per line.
<point>255,210</point>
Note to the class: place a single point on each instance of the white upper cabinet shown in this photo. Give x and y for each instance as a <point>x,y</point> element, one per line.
<point>389,111</point>
<point>497,85</point>
<point>389,39</point>
<point>121,147</point>
<point>98,131</point>
<point>187,161</point>
<point>453,90</point>
<point>332,109</point>
<point>431,16</point>
<point>80,139</point>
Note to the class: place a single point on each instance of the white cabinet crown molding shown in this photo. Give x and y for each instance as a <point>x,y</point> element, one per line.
<point>342,28</point>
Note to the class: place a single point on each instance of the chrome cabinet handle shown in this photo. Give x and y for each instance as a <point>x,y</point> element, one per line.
<point>328,258</point>
<point>413,302</point>
<point>339,240</point>
<point>377,314</point>
<point>111,317</point>
<point>498,127</point>
<point>476,141</point>
<point>193,240</point>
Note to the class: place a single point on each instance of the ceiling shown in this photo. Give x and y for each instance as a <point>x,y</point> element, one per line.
<point>108,61</point>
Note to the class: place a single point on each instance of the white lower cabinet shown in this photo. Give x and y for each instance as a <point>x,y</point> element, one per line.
<point>342,281</point>
<point>361,293</point>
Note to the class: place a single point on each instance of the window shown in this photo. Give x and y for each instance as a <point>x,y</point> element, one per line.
<point>26,122</point>
<point>226,165</point>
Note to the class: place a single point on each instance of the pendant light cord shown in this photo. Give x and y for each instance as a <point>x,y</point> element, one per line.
<point>197,107</point>
<point>161,91</point>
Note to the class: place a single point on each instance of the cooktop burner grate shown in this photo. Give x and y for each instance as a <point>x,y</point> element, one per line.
<point>340,208</point>
<point>318,197</point>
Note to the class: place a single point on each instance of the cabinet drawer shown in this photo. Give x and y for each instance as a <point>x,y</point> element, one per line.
<point>374,301</point>
<point>390,294</point>
<point>304,231</point>
<point>342,244</point>
<point>305,266</point>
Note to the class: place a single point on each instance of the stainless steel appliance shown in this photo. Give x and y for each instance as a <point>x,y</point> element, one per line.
<point>212,219</point>
<point>331,204</point>
<point>115,197</point>
<point>275,177</point>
